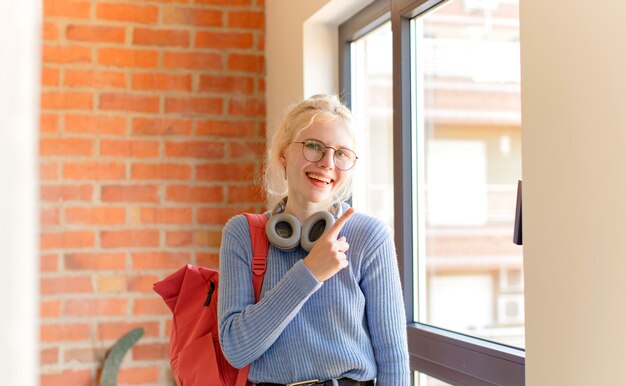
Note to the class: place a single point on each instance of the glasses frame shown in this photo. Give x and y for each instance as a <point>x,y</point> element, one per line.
<point>324,153</point>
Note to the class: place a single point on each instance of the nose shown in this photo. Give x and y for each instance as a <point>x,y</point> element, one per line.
<point>328,160</point>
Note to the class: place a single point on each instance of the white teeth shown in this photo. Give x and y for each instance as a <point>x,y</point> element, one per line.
<point>320,178</point>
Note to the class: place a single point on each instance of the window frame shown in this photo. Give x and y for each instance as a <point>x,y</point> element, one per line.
<point>446,355</point>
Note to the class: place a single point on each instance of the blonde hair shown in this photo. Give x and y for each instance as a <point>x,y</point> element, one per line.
<point>299,117</point>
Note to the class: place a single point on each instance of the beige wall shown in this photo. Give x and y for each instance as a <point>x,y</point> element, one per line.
<point>574,168</point>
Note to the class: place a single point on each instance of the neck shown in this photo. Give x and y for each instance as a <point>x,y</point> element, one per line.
<point>304,210</point>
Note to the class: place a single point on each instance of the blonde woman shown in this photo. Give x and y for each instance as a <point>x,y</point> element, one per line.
<point>331,309</point>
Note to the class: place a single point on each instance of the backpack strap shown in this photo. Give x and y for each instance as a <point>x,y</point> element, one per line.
<point>260,246</point>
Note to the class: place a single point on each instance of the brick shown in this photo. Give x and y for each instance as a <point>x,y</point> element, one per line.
<point>246,150</point>
<point>94,261</point>
<point>131,193</point>
<point>95,124</point>
<point>193,16</point>
<point>67,378</point>
<point>142,283</point>
<point>65,100</point>
<point>159,260</point>
<point>239,194</point>
<point>231,129</point>
<point>224,40</point>
<point>179,238</point>
<point>48,171</point>
<point>66,146</point>
<point>95,33</point>
<point>49,356</point>
<point>193,105</point>
<point>66,54</point>
<point>89,355</point>
<point>127,12</point>
<point>164,82</point>
<point>159,127</point>
<point>49,263</point>
<point>50,31</point>
<point>261,85</point>
<point>196,149</point>
<point>151,351</point>
<point>67,240</point>
<point>246,63</point>
<point>65,332</point>
<point>209,260</point>
<point>112,284</point>
<point>219,215</point>
<point>94,171</point>
<point>207,238</point>
<point>129,148</point>
<point>95,79</point>
<point>166,215</point>
<point>225,172</point>
<point>49,123</point>
<point>66,285</point>
<point>227,3</point>
<point>67,8</point>
<point>96,307</point>
<point>246,19</point>
<point>50,76</point>
<point>50,308</point>
<point>138,375</point>
<point>160,172</point>
<point>115,330</point>
<point>152,306</point>
<point>129,102</point>
<point>192,61</point>
<point>123,57</point>
<point>247,106</point>
<point>49,216</point>
<point>94,215</point>
<point>260,46</point>
<point>161,37</point>
<point>56,193</point>
<point>226,84</point>
<point>129,238</point>
<point>199,194</point>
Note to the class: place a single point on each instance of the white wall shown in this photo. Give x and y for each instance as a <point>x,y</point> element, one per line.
<point>574,170</point>
<point>20,28</point>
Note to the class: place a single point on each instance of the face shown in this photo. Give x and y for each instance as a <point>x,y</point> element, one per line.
<point>316,182</point>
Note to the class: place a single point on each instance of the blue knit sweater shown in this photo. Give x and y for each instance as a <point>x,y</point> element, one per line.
<point>352,325</point>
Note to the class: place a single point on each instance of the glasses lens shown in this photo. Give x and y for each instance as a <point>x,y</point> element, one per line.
<point>313,151</point>
<point>344,159</point>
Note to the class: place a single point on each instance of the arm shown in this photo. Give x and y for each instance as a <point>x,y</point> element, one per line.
<point>386,316</point>
<point>247,330</point>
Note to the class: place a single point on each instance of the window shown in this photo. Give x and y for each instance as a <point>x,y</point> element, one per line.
<point>454,151</point>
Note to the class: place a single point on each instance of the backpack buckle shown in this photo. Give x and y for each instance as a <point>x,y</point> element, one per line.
<point>258,265</point>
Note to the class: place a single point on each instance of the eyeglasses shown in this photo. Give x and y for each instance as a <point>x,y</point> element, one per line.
<point>314,150</point>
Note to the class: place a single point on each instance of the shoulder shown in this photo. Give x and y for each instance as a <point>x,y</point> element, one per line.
<point>238,227</point>
<point>367,230</point>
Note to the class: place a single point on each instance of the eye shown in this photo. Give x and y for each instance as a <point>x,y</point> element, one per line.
<point>314,145</point>
<point>343,153</point>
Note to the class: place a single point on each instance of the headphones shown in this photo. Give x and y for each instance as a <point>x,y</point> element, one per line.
<point>285,232</point>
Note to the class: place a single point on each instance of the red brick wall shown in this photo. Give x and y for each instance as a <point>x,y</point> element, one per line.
<point>152,129</point>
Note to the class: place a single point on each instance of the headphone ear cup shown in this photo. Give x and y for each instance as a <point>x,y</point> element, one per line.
<point>283,231</point>
<point>314,227</point>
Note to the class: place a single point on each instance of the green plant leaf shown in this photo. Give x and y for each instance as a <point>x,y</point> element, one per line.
<point>114,357</point>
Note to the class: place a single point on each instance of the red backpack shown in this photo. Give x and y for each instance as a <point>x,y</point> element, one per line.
<point>191,293</point>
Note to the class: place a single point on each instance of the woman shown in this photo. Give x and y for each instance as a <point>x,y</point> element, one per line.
<point>332,314</point>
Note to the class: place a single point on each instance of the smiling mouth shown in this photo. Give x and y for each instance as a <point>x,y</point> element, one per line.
<point>319,178</point>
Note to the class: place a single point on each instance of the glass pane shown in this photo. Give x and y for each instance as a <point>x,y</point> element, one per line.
<point>372,107</point>
<point>467,163</point>
<point>421,379</point>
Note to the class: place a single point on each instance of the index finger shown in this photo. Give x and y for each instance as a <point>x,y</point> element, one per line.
<point>334,230</point>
